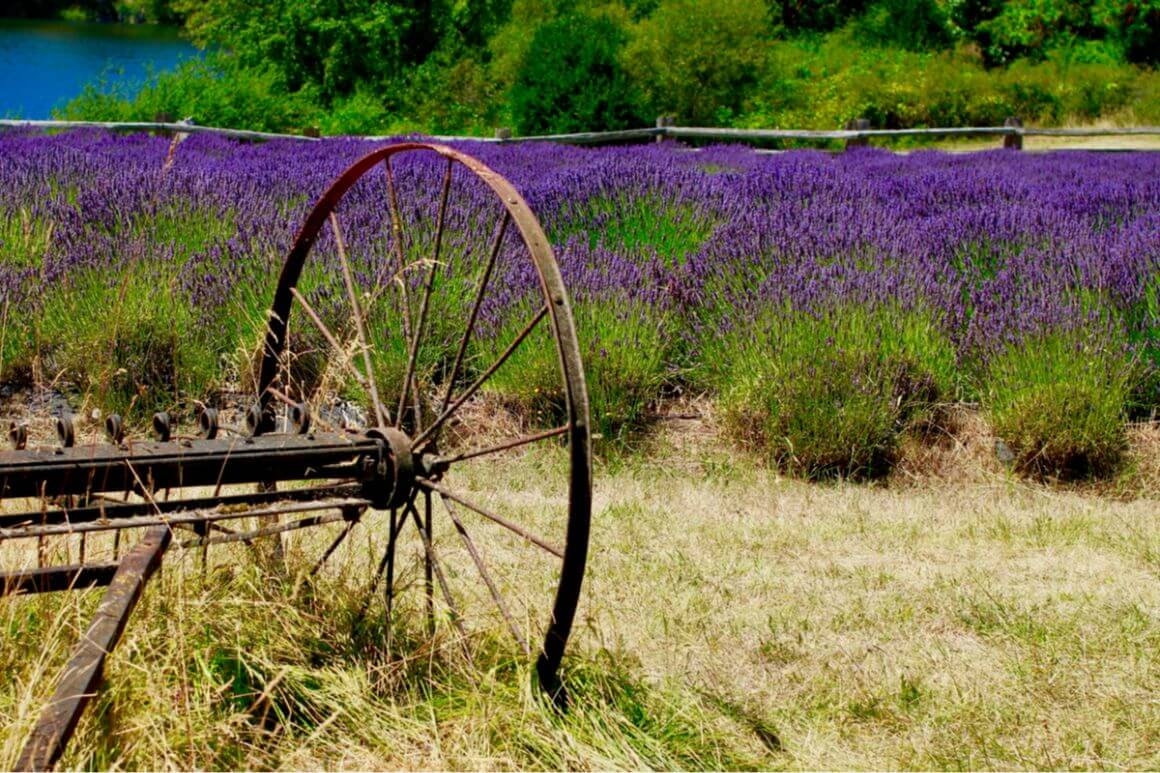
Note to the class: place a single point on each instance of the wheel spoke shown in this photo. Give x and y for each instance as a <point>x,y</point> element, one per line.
<point>359,322</point>
<point>504,522</point>
<point>352,519</point>
<point>397,229</point>
<point>467,393</point>
<point>428,584</point>
<point>522,441</point>
<point>437,569</point>
<point>495,245</point>
<point>386,564</point>
<point>491,586</point>
<point>322,328</point>
<point>432,270</point>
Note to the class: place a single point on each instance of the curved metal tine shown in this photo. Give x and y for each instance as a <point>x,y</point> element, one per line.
<point>322,328</point>
<point>397,233</point>
<point>516,443</point>
<point>359,322</point>
<point>471,390</point>
<point>491,586</point>
<point>456,618</point>
<point>491,257</point>
<point>504,522</point>
<point>421,323</point>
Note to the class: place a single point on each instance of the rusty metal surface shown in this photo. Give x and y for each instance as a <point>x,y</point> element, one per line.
<point>149,465</point>
<point>56,578</point>
<point>82,676</point>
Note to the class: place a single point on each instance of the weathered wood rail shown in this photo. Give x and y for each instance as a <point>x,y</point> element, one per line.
<point>1012,133</point>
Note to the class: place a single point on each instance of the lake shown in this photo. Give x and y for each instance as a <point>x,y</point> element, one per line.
<point>43,64</point>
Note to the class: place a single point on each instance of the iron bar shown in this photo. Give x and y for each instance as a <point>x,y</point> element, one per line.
<point>120,510</point>
<point>421,323</point>
<point>163,520</point>
<point>56,578</point>
<point>49,473</point>
<point>522,441</point>
<point>350,522</point>
<point>477,558</point>
<point>265,531</point>
<point>397,232</point>
<point>433,561</point>
<point>492,255</point>
<point>322,328</point>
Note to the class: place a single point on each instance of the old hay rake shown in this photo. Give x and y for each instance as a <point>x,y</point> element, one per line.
<point>296,462</point>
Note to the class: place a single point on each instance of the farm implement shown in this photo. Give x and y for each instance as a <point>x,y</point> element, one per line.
<point>290,461</point>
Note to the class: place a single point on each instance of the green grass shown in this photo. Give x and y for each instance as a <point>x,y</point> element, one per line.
<point>625,350</point>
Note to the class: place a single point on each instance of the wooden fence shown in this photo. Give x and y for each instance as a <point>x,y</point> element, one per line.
<point>856,133</point>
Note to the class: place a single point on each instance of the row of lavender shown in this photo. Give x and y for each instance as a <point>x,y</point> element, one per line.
<point>830,303</point>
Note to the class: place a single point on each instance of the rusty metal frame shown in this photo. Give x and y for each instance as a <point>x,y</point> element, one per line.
<point>84,490</point>
<point>82,677</point>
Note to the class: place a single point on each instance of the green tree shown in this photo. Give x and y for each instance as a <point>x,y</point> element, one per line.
<point>572,80</point>
<point>1134,25</point>
<point>815,15</point>
<point>700,60</point>
<point>915,25</point>
<point>333,45</point>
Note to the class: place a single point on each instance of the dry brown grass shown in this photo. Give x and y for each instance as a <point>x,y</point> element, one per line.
<point>950,617</point>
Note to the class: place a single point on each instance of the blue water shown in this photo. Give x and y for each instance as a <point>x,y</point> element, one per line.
<point>43,64</point>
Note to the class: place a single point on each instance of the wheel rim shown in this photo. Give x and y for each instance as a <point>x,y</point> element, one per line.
<point>388,412</point>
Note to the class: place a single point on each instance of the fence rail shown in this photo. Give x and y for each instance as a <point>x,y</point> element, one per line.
<point>1012,133</point>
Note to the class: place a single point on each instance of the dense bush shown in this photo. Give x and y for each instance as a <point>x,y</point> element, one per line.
<point>826,84</point>
<point>216,91</point>
<point>327,45</point>
<point>914,25</point>
<point>700,61</point>
<point>357,66</point>
<point>572,79</point>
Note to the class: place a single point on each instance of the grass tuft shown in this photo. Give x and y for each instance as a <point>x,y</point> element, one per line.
<point>832,394</point>
<point>1059,404</point>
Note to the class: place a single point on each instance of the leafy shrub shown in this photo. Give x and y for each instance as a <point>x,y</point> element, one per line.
<point>817,15</point>
<point>699,61</point>
<point>1059,405</point>
<point>823,84</point>
<point>832,394</point>
<point>1134,25</point>
<point>217,91</point>
<point>571,79</point>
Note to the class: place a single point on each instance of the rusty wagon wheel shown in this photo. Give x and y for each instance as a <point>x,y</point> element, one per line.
<point>396,299</point>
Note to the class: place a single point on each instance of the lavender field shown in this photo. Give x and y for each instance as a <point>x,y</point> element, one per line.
<point>828,304</point>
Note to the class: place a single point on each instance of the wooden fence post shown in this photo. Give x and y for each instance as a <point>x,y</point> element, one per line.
<point>503,133</point>
<point>663,122</point>
<point>1013,141</point>
<point>857,125</point>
